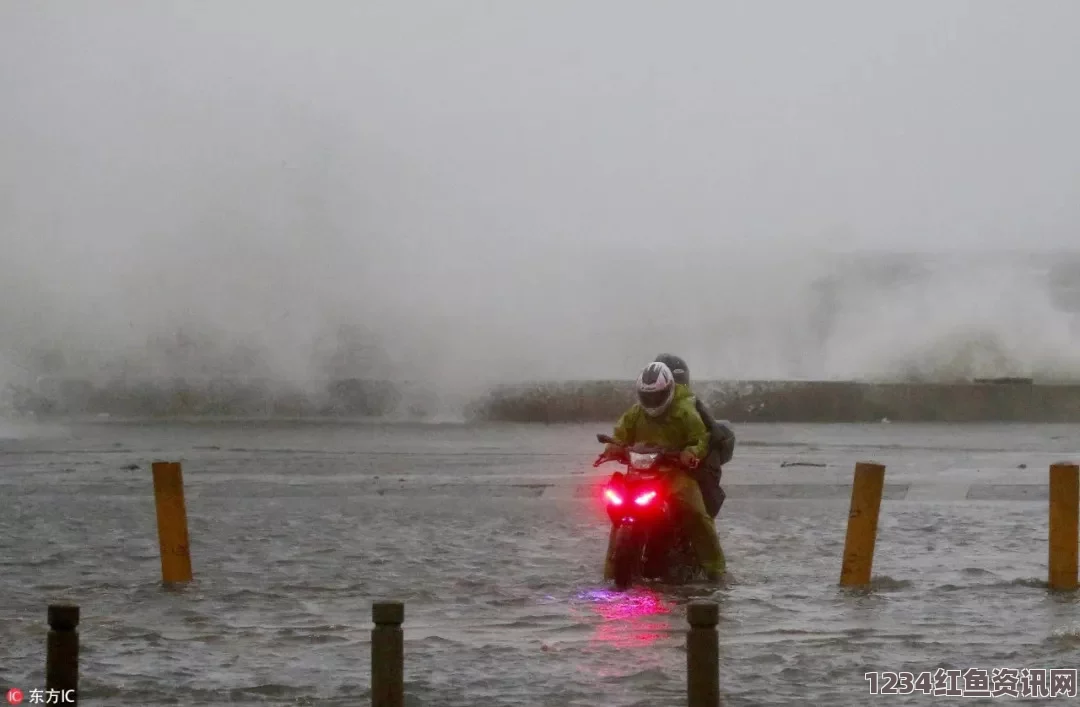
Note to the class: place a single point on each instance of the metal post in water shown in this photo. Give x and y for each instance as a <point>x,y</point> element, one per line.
<point>387,654</point>
<point>172,522</point>
<point>862,524</point>
<point>62,654</point>
<point>1064,504</point>
<point>703,655</point>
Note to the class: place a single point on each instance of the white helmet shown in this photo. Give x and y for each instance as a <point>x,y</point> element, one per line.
<point>656,388</point>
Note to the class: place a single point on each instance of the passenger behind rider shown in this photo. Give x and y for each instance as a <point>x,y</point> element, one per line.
<point>665,415</point>
<point>680,371</point>
<point>721,441</point>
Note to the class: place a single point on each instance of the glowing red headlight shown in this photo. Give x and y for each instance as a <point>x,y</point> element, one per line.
<point>612,497</point>
<point>645,498</point>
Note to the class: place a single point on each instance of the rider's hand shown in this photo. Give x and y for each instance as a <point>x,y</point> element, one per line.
<point>688,458</point>
<point>611,451</point>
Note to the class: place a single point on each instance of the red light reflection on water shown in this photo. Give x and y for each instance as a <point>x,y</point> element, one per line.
<point>629,620</point>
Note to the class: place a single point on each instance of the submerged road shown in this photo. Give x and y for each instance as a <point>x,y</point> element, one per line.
<point>489,535</point>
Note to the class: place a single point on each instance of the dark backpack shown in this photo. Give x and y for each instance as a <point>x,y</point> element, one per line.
<point>721,436</point>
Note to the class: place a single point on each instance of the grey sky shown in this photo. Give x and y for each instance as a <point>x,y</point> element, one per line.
<point>518,189</point>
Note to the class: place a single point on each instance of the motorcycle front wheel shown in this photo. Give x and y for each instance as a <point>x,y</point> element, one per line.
<point>626,557</point>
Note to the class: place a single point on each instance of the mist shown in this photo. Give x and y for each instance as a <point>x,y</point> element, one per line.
<point>478,192</point>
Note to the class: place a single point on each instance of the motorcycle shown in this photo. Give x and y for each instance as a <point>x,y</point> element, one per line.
<point>650,539</point>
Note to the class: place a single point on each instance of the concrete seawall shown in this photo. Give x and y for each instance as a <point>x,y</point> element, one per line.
<point>186,397</point>
<point>1001,400</point>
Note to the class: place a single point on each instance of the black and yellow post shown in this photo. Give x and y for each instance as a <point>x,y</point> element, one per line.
<point>702,654</point>
<point>387,654</point>
<point>172,522</point>
<point>866,490</point>
<point>1064,502</point>
<point>62,653</point>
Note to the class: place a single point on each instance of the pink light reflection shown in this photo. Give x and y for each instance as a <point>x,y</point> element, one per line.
<point>630,620</point>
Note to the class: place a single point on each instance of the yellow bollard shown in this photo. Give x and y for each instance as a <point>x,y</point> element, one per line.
<point>862,524</point>
<point>702,655</point>
<point>172,522</point>
<point>1064,501</point>
<point>387,654</point>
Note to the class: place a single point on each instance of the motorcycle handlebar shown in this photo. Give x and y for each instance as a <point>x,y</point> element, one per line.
<point>670,455</point>
<point>640,448</point>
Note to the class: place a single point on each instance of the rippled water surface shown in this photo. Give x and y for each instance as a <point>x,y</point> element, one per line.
<point>292,540</point>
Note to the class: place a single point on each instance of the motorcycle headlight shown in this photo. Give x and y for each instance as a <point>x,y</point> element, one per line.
<point>642,461</point>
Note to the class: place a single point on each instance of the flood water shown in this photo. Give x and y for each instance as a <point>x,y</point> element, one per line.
<point>292,540</point>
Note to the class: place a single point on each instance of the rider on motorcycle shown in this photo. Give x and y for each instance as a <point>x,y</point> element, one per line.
<point>721,438</point>
<point>664,415</point>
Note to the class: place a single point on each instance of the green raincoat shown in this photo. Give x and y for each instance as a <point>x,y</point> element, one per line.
<point>680,427</point>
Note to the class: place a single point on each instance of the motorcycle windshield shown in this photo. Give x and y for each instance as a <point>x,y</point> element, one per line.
<point>642,461</point>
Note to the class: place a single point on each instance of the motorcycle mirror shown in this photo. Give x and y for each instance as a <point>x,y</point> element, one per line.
<point>604,439</point>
